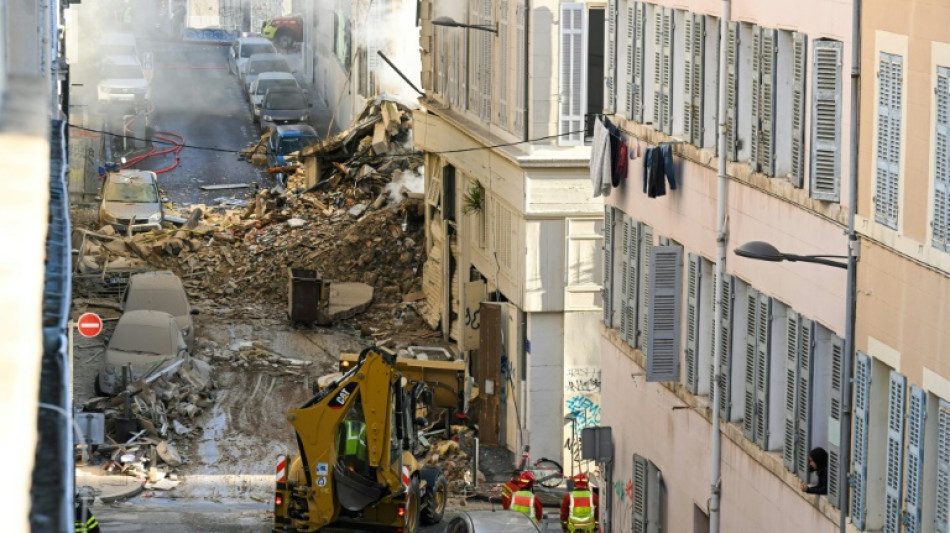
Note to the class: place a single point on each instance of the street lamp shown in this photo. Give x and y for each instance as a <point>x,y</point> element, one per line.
<point>449,22</point>
<point>764,251</point>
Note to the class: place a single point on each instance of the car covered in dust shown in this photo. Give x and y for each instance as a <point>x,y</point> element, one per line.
<point>243,48</point>
<point>161,291</point>
<point>145,342</point>
<point>265,82</point>
<point>130,199</point>
<point>122,82</point>
<point>260,63</point>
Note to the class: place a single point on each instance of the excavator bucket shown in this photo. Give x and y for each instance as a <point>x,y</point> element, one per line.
<point>353,490</point>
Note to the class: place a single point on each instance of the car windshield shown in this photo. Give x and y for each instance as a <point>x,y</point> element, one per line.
<point>274,65</point>
<point>285,100</point>
<point>170,301</point>
<point>264,85</point>
<point>294,144</point>
<point>141,338</point>
<point>261,48</point>
<point>142,193</point>
<point>122,72</point>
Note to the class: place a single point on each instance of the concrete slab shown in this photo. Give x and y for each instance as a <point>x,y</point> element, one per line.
<point>106,486</point>
<point>349,299</point>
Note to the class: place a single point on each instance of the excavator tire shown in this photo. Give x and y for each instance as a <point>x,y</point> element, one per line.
<point>413,502</point>
<point>436,497</point>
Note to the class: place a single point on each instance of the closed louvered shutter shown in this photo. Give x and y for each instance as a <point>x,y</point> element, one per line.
<point>914,481</point>
<point>942,509</point>
<point>894,470</point>
<point>889,109</point>
<point>666,273</point>
<point>755,416</point>
<point>766,143</point>
<point>639,56</point>
<point>826,122</point>
<point>571,91</point>
<point>631,33</point>
<point>663,73</point>
<point>834,422</point>
<point>474,14</point>
<point>694,31</point>
<point>694,274</point>
<point>941,211</point>
<point>803,401</point>
<point>628,284</point>
<point>640,487</point>
<point>503,52</point>
<point>791,389</point>
<point>859,475</point>
<point>485,45</point>
<point>520,71</point>
<point>607,290</point>
<point>643,285</point>
<point>732,91</point>
<point>610,83</point>
<point>725,290</point>
<point>799,75</point>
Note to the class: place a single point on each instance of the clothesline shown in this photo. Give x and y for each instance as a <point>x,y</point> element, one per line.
<point>630,133</point>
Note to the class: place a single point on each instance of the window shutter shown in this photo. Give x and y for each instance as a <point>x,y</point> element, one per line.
<point>485,62</point>
<point>791,389</point>
<point>895,452</point>
<point>806,341</point>
<point>914,483</point>
<point>725,288</point>
<point>610,94</point>
<point>799,73</point>
<point>942,509</point>
<point>628,281</point>
<point>887,172</point>
<point>756,96</point>
<point>748,417</point>
<point>572,74</point>
<point>732,91</point>
<point>694,29</point>
<point>632,33</point>
<point>639,55</point>
<point>826,122</point>
<point>694,275</point>
<point>666,276</point>
<point>473,56</point>
<point>941,220</point>
<point>639,503</point>
<point>834,422</point>
<point>522,74</point>
<point>663,73</point>
<point>763,339</point>
<point>503,50</point>
<point>607,291</point>
<point>643,286</point>
<point>859,476</point>
<point>766,142</point>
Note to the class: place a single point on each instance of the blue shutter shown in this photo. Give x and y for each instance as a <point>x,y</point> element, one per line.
<point>725,288</point>
<point>639,54</point>
<point>834,421</point>
<point>826,121</point>
<point>913,487</point>
<point>663,70</point>
<point>732,90</point>
<point>628,305</point>
<point>632,33</point>
<point>694,278</point>
<point>941,217</point>
<point>666,287</point>
<point>806,344</point>
<point>607,290</point>
<point>748,415</point>
<point>799,75</point>
<point>895,452</point>
<point>862,400</point>
<point>694,39</point>
<point>942,509</point>
<point>639,504</point>
<point>791,389</point>
<point>643,285</point>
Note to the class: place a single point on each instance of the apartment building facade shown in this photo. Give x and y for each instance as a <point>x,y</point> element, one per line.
<point>513,233</point>
<point>782,324</point>
<point>902,375</point>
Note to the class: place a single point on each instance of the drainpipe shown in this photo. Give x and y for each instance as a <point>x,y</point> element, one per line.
<point>844,444</point>
<point>716,459</point>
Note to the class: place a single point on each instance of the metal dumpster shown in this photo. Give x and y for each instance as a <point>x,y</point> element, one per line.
<point>308,294</point>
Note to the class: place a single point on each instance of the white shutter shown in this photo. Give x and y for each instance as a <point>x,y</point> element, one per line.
<point>694,275</point>
<point>799,75</point>
<point>895,453</point>
<point>942,509</point>
<point>806,339</point>
<point>485,50</point>
<point>571,91</point>
<point>732,90</point>
<point>826,122</point>
<point>607,290</point>
<point>520,71</point>
<point>725,289</point>
<point>473,56</point>
<point>639,56</point>
<point>632,33</point>
<point>694,29</point>
<point>666,273</point>
<point>791,389</point>
<point>610,83</point>
<point>503,52</point>
<point>914,482</point>
<point>766,144</point>
<point>372,47</point>
<point>834,420</point>
<point>643,285</point>
<point>756,96</point>
<point>941,216</point>
<point>887,171</point>
<point>663,73</point>
<point>859,475</point>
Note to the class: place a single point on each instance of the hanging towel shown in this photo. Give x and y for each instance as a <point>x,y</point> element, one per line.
<point>615,140</point>
<point>600,173</point>
<point>620,171</point>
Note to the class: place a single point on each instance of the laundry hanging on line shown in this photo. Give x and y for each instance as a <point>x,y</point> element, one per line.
<point>657,170</point>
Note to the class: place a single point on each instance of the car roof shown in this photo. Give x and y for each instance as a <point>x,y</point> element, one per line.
<point>266,57</point>
<point>131,174</point>
<point>253,40</point>
<point>121,60</point>
<point>486,521</point>
<point>295,130</point>
<point>160,279</point>
<point>275,76</point>
<point>146,317</point>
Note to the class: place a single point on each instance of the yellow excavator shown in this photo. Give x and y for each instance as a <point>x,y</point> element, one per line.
<point>356,467</point>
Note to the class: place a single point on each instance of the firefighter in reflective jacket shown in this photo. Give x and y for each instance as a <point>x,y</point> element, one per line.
<point>524,501</point>
<point>580,509</point>
<point>85,522</point>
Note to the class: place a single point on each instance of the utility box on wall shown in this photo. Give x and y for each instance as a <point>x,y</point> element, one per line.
<point>597,444</point>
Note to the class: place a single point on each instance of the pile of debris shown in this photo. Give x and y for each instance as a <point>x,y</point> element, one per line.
<point>144,421</point>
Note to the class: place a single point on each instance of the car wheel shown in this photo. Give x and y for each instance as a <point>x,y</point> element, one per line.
<point>284,40</point>
<point>435,501</point>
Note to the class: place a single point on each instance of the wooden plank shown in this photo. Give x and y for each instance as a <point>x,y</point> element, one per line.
<point>380,139</point>
<point>488,377</point>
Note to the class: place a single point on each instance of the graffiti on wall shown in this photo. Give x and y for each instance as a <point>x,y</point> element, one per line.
<point>623,513</point>
<point>586,412</point>
<point>582,380</point>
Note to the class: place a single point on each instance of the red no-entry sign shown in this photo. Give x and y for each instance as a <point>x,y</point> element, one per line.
<point>89,325</point>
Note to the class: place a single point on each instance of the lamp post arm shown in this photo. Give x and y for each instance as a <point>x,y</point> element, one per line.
<point>815,259</point>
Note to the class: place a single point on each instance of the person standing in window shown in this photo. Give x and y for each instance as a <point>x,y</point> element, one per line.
<point>817,463</point>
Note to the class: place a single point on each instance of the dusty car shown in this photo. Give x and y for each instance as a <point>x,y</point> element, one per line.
<point>122,82</point>
<point>130,199</point>
<point>265,82</point>
<point>285,140</point>
<point>161,291</point>
<point>491,522</point>
<point>260,63</point>
<point>117,44</point>
<point>147,341</point>
<point>282,106</point>
<point>243,48</point>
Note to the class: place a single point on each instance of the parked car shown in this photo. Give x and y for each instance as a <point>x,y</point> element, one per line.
<point>284,106</point>
<point>122,82</point>
<point>285,140</point>
<point>161,291</point>
<point>145,340</point>
<point>130,199</point>
<point>284,31</point>
<point>243,48</point>
<point>260,63</point>
<point>486,521</point>
<point>264,82</point>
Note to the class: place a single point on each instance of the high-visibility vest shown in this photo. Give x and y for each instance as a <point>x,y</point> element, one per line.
<point>523,502</point>
<point>354,443</point>
<point>85,525</point>
<point>581,514</point>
